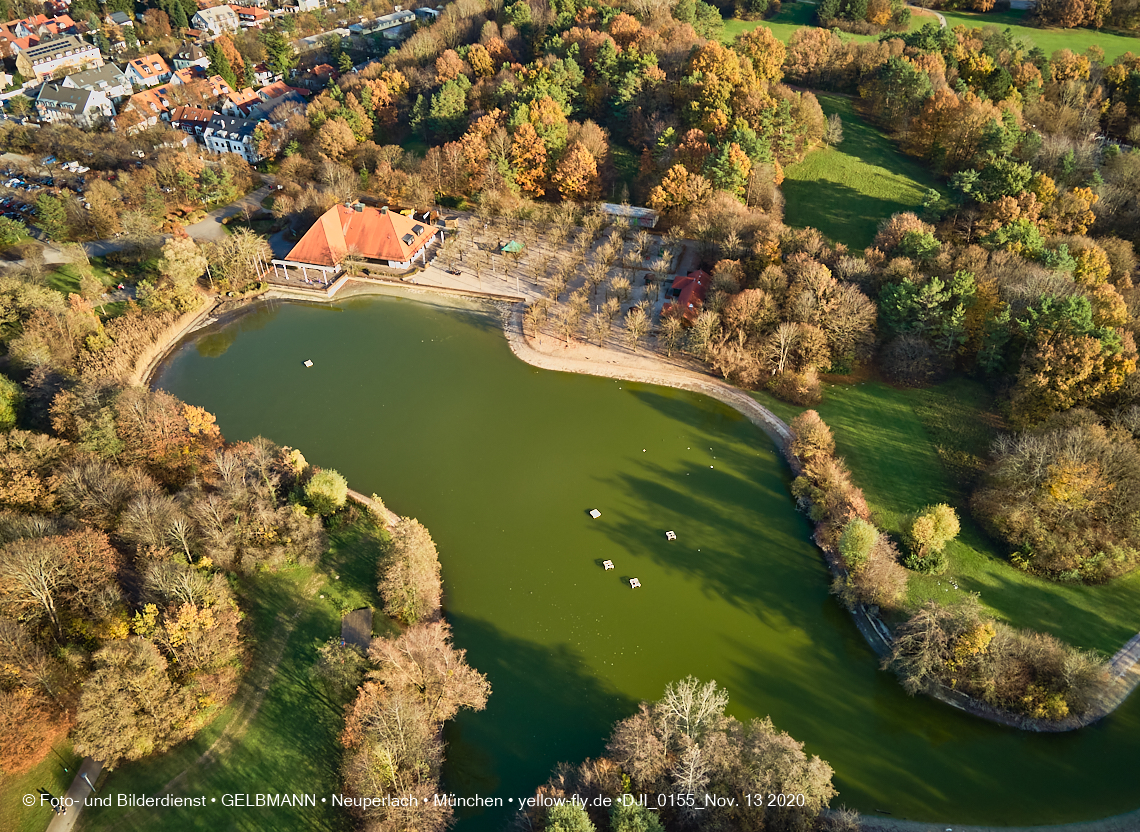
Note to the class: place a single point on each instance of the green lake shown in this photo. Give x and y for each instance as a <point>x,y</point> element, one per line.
<point>427,407</point>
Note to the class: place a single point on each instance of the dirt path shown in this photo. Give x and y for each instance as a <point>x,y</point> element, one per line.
<point>251,699</point>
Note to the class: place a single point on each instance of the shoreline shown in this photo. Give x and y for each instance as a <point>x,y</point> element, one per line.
<point>655,371</point>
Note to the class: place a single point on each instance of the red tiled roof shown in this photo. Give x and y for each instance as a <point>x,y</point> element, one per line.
<point>150,66</point>
<point>692,289</point>
<point>188,113</point>
<point>369,232</point>
<point>278,89</point>
<point>241,98</point>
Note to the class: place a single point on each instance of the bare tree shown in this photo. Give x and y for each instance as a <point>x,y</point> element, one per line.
<point>636,325</point>
<point>424,662</point>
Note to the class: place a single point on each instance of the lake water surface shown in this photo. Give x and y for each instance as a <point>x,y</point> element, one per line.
<point>427,407</point>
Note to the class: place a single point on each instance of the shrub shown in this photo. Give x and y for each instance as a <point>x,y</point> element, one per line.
<point>802,388</point>
<point>855,545</point>
<point>811,437</point>
<point>326,492</point>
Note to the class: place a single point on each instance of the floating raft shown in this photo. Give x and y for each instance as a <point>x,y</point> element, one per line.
<point>595,513</point>
<point>608,564</point>
<point>634,582</point>
<point>670,535</point>
<point>308,363</point>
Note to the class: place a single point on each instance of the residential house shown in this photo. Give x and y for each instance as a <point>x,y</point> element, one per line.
<point>63,52</point>
<point>192,120</point>
<point>239,103</point>
<point>318,77</point>
<point>17,35</point>
<point>251,17</point>
<point>216,20</point>
<point>83,108</point>
<point>308,5</point>
<point>263,75</point>
<point>278,89</point>
<point>148,70</point>
<point>107,79</point>
<point>147,108</point>
<point>371,233</point>
<point>120,19</point>
<point>227,134</point>
<point>190,55</point>
<point>689,295</point>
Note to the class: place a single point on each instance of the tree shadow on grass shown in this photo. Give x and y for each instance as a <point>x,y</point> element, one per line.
<point>546,707</point>
<point>843,213</point>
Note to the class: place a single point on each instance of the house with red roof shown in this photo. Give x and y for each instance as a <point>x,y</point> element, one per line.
<point>375,234</point>
<point>251,17</point>
<point>688,295</point>
<point>238,103</point>
<point>148,70</point>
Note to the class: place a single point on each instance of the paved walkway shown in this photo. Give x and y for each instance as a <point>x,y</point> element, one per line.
<point>210,228</point>
<point>88,771</point>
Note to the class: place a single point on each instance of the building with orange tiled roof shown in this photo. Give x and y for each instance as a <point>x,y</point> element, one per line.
<point>238,103</point>
<point>148,70</point>
<point>251,17</point>
<point>192,120</point>
<point>376,234</point>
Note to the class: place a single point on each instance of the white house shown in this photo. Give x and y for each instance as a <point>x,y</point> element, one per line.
<point>41,60</point>
<point>190,55</point>
<point>84,108</point>
<point>216,20</point>
<point>227,134</point>
<point>107,79</point>
<point>148,70</point>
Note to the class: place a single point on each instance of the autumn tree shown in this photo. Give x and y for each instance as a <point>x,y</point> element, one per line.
<point>576,174</point>
<point>129,708</point>
<point>409,573</point>
<point>765,51</point>
<point>528,160</point>
<point>424,662</point>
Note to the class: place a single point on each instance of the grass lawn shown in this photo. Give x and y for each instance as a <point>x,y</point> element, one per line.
<point>1050,40</point>
<point>47,775</point>
<point>290,745</point>
<point>910,448</point>
<point>846,191</point>
<point>65,278</point>
<point>791,16</point>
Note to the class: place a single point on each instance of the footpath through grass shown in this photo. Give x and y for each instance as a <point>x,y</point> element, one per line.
<point>910,448</point>
<point>290,744</point>
<point>846,191</point>
<point>1049,40</point>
